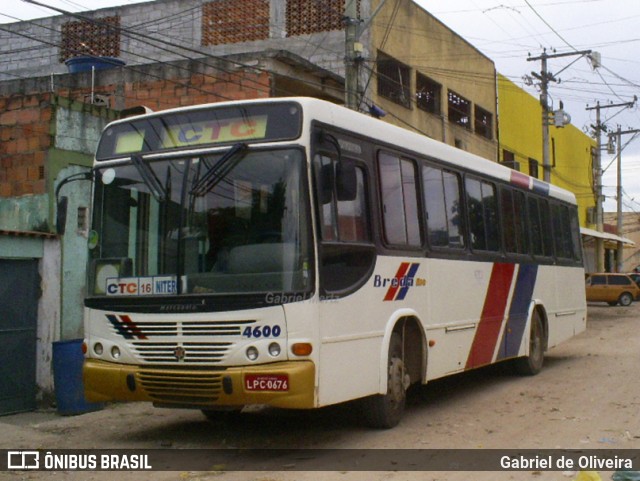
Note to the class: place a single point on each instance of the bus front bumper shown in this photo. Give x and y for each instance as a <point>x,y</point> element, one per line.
<point>289,384</point>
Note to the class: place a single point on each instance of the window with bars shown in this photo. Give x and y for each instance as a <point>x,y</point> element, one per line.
<point>312,16</point>
<point>483,122</point>
<point>233,21</point>
<point>459,110</point>
<point>100,37</point>
<point>393,80</point>
<point>428,94</point>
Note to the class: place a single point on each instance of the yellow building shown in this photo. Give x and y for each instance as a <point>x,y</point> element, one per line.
<point>520,144</point>
<point>429,79</point>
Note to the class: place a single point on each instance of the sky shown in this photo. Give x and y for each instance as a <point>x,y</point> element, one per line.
<point>508,32</point>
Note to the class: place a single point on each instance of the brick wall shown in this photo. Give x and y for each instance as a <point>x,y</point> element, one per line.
<point>162,92</point>
<point>26,128</point>
<point>24,139</point>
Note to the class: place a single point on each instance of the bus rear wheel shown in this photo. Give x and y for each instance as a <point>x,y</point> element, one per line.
<point>384,411</point>
<point>531,364</point>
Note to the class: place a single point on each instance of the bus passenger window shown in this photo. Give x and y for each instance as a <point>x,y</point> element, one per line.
<point>442,203</point>
<point>483,215</point>
<point>341,220</point>
<point>399,200</point>
<point>536,227</point>
<point>514,222</point>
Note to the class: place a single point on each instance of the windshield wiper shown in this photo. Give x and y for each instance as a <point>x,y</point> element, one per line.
<point>219,170</point>
<point>149,178</point>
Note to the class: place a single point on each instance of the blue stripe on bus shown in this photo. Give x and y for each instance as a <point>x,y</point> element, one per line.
<point>412,272</point>
<point>540,187</point>
<point>518,313</point>
<point>119,327</point>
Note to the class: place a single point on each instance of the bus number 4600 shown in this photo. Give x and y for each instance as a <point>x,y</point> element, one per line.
<point>262,331</point>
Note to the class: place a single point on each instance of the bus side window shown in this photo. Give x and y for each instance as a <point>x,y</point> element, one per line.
<point>562,235</point>
<point>483,215</point>
<point>536,227</point>
<point>442,204</point>
<point>547,232</point>
<point>341,220</point>
<point>399,200</point>
<point>575,237</point>
<point>514,221</point>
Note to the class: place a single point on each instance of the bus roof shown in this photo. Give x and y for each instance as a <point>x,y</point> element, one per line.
<point>362,124</point>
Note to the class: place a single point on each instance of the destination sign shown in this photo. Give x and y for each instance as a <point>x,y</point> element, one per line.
<point>201,126</point>
<point>215,131</point>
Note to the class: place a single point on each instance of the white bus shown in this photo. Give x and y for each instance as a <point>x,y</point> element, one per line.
<point>293,253</point>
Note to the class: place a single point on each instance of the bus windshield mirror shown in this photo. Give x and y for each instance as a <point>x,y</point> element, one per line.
<point>219,170</point>
<point>346,180</point>
<point>327,179</point>
<point>149,178</point>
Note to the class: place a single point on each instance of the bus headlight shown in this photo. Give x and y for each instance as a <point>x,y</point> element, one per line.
<point>274,349</point>
<point>252,353</point>
<point>98,349</point>
<point>115,352</point>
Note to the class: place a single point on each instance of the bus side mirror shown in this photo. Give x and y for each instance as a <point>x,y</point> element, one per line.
<point>326,183</point>
<point>346,180</point>
<point>61,214</point>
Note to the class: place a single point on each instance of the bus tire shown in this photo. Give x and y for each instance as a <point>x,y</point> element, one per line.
<point>531,364</point>
<point>384,411</point>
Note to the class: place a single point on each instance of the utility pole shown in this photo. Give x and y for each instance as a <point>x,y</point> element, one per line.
<point>620,250</point>
<point>352,49</point>
<point>545,77</point>
<point>597,179</point>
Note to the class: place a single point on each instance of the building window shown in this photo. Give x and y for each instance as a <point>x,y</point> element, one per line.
<point>533,168</point>
<point>483,123</point>
<point>393,80</point>
<point>459,110</point>
<point>508,160</point>
<point>100,38</point>
<point>508,156</point>
<point>305,17</point>
<point>230,21</point>
<point>428,94</point>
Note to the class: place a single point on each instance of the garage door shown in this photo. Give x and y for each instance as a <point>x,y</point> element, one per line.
<point>19,293</point>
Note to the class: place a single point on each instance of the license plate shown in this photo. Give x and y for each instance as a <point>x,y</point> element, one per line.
<point>266,382</point>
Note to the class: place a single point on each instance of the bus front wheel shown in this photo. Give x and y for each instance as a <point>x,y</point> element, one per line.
<point>385,410</point>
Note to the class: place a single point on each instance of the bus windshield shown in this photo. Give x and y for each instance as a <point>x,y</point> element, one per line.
<point>234,222</point>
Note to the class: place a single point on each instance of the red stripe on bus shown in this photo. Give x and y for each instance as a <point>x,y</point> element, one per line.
<point>132,327</point>
<point>402,270</point>
<point>518,178</point>
<point>493,312</point>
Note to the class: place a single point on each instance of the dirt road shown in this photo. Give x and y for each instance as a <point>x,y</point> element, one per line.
<point>587,397</point>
